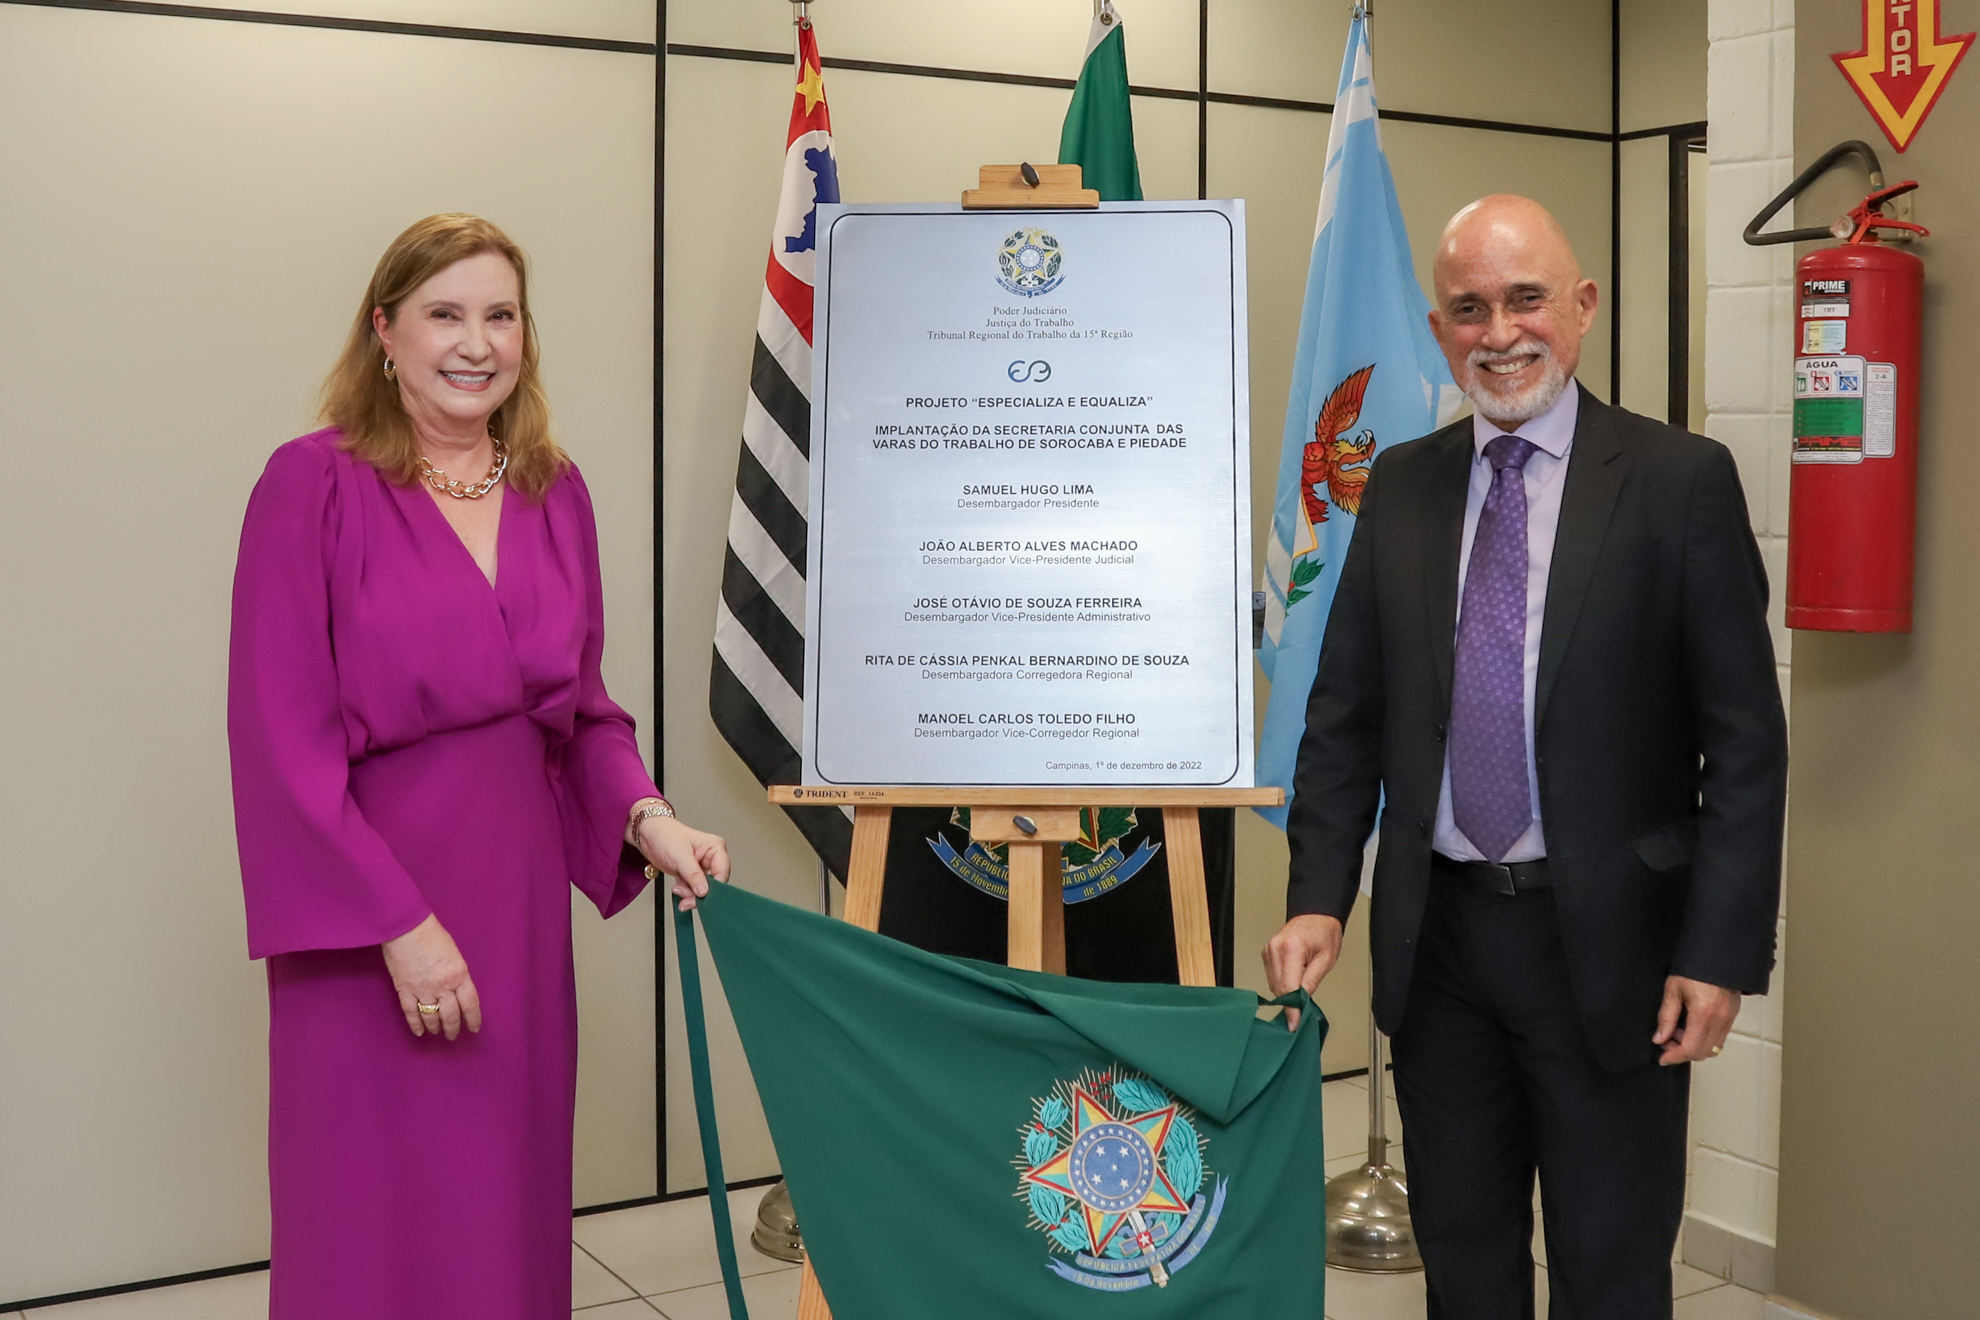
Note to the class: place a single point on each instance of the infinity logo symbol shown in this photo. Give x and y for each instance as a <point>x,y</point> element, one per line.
<point>1035,372</point>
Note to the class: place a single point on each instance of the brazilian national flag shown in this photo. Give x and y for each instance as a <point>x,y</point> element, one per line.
<point>1099,131</point>
<point>963,1139</point>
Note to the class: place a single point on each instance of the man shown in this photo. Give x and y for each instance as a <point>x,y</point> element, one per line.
<point>1548,662</point>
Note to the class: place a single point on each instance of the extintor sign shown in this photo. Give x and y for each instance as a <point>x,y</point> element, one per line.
<point>1903,66</point>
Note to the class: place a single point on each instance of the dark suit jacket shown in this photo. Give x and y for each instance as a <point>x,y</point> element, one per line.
<point>1660,742</point>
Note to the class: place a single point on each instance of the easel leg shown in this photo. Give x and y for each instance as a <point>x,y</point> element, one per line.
<point>1053,894</point>
<point>867,871</point>
<point>1037,912</point>
<point>811,1298</point>
<point>865,881</point>
<point>1196,961</point>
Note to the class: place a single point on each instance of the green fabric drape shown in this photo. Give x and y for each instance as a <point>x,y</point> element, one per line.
<point>964,1139</point>
<point>704,1112</point>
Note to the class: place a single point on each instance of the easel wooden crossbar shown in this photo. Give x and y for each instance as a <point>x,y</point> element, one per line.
<point>1032,823</point>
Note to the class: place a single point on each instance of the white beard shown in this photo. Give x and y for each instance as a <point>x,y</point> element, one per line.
<point>1521,405</point>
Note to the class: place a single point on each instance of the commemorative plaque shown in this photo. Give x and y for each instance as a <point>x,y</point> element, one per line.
<point>1029,498</point>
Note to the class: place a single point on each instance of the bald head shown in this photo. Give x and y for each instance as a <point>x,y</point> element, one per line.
<point>1511,306</point>
<point>1503,230</point>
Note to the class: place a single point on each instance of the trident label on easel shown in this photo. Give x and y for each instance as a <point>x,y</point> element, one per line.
<point>1029,554</point>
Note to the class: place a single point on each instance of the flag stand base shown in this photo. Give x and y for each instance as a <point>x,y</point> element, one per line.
<point>776,1233</point>
<point>1368,1227</point>
<point>1033,822</point>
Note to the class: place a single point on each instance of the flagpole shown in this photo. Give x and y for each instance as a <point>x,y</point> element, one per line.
<point>777,1234</point>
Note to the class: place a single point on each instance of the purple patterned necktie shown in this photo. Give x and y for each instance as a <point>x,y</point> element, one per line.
<point>1490,798</point>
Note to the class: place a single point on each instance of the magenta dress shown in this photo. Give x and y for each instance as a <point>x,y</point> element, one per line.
<point>408,740</point>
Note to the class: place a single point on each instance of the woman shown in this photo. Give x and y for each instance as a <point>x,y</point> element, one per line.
<point>424,757</point>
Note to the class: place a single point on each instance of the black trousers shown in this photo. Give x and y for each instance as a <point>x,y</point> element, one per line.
<point>1496,1081</point>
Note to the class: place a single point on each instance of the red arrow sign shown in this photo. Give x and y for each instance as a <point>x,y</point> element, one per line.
<point>1903,66</point>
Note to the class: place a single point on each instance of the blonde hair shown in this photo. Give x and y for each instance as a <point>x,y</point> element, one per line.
<point>358,399</point>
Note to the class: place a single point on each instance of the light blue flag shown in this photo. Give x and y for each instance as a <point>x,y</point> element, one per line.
<point>1366,374</point>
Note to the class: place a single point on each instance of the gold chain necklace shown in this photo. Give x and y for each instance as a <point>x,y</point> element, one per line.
<point>466,490</point>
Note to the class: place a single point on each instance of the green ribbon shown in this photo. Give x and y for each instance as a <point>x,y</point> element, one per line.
<point>704,1109</point>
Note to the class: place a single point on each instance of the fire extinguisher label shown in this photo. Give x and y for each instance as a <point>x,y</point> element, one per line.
<point>1880,410</point>
<point>1824,336</point>
<point>1821,299</point>
<point>1828,410</point>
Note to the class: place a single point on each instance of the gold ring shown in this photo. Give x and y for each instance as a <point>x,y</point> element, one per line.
<point>1717,1050</point>
<point>428,1009</point>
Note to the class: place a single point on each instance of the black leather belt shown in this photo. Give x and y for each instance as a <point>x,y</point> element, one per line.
<point>1499,877</point>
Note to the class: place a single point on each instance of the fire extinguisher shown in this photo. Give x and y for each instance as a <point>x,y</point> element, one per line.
<point>1853,492</point>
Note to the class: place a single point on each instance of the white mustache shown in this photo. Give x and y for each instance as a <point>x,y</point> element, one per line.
<point>1480,357</point>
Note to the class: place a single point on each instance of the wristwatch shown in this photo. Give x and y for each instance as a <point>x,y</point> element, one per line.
<point>646,811</point>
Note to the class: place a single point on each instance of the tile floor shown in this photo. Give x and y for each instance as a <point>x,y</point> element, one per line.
<point>660,1260</point>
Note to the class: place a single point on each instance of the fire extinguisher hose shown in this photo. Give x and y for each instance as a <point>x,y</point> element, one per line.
<point>1822,165</point>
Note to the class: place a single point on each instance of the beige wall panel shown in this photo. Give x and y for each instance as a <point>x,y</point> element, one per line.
<point>1663,82</point>
<point>1165,146</point>
<point>1045,38</point>
<point>188,227</point>
<point>1545,63</point>
<point>921,139</point>
<point>899,139</point>
<point>725,126</point>
<point>612,20</point>
<point>757,25</point>
<point>1698,163</point>
<point>1643,290</point>
<point>1880,1068</point>
<point>1663,62</point>
<point>1273,159</point>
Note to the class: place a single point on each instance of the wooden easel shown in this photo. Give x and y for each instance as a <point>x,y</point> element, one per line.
<point>1033,822</point>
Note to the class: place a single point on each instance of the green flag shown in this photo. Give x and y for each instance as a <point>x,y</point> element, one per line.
<point>962,1139</point>
<point>1099,132</point>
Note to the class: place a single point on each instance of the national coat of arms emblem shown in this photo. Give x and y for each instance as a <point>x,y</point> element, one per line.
<point>1112,1170</point>
<point>1029,263</point>
<point>1090,866</point>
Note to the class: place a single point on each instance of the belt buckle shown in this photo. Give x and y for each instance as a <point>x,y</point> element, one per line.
<point>1501,881</point>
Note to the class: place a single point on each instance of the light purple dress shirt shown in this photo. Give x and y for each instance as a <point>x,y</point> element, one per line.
<point>1552,434</point>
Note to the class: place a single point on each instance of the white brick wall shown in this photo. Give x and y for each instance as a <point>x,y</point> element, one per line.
<point>1749,316</point>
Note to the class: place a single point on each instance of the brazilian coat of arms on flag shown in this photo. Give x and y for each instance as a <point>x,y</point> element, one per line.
<point>1040,1145</point>
<point>1119,1192</point>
